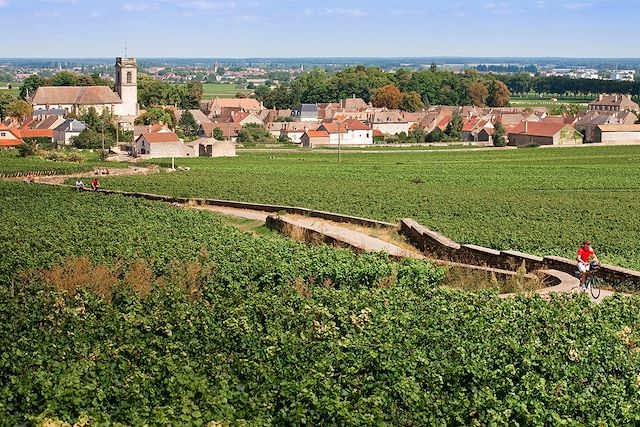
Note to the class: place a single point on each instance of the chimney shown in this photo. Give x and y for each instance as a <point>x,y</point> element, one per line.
<point>526,126</point>
<point>600,97</point>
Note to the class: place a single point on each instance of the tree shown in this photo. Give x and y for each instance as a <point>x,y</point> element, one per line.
<point>18,109</point>
<point>218,134</point>
<point>30,85</point>
<point>499,95</point>
<point>411,102</point>
<point>499,139</point>
<point>156,116</point>
<point>478,93</point>
<point>89,138</point>
<point>417,135</point>
<point>64,78</point>
<point>5,102</point>
<point>254,133</point>
<point>241,95</point>
<point>279,98</point>
<point>454,127</point>
<point>261,92</point>
<point>188,124</point>
<point>388,96</point>
<point>436,135</point>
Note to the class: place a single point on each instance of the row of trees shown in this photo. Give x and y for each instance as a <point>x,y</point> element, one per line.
<point>523,83</point>
<point>405,89</point>
<point>152,92</point>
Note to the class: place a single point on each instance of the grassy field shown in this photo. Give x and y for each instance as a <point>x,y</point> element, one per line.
<point>14,91</point>
<point>542,201</point>
<point>213,90</point>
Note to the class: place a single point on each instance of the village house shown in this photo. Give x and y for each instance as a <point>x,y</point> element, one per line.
<point>9,137</point>
<point>291,130</point>
<point>308,113</point>
<point>315,138</point>
<point>349,132</point>
<point>161,144</point>
<point>391,122</point>
<point>211,147</point>
<point>214,108</point>
<point>617,134</point>
<point>613,103</point>
<point>541,133</point>
<point>68,129</point>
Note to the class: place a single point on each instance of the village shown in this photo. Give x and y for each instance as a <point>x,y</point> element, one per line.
<point>350,122</point>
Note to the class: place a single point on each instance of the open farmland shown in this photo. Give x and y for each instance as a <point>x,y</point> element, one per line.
<point>221,90</point>
<point>176,317</point>
<point>542,201</point>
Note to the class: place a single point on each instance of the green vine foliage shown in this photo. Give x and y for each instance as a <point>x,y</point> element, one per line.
<point>279,333</point>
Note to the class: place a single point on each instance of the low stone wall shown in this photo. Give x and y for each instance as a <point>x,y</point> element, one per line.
<point>435,245</point>
<point>307,235</point>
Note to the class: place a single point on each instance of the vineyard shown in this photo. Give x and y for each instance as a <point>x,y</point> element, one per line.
<point>117,311</point>
<point>13,165</point>
<point>543,202</point>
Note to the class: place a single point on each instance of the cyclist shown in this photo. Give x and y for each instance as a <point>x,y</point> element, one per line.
<point>586,254</point>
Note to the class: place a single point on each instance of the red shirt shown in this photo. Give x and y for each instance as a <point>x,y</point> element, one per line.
<point>584,255</point>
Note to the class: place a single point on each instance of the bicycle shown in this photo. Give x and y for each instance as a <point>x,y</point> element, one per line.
<point>592,283</point>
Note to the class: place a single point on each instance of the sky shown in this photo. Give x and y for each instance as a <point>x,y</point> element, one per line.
<point>327,28</point>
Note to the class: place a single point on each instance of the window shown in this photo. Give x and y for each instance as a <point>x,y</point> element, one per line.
<point>3,134</point>
<point>128,77</point>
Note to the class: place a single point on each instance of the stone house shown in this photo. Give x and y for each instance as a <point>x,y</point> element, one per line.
<point>315,138</point>
<point>161,144</point>
<point>543,134</point>
<point>617,134</point>
<point>211,147</point>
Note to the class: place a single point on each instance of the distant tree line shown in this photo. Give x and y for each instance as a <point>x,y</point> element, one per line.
<point>523,83</point>
<point>404,89</point>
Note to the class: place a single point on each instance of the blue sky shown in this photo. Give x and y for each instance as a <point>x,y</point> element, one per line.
<point>295,28</point>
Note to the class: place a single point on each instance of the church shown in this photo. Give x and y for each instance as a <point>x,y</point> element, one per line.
<point>75,99</point>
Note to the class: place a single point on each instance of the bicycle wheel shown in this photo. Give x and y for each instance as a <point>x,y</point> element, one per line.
<point>594,287</point>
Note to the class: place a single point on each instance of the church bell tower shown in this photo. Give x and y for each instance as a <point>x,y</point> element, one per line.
<point>127,86</point>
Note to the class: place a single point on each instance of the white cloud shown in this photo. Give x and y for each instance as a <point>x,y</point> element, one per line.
<point>135,7</point>
<point>4,3</point>
<point>343,11</point>
<point>307,12</point>
<point>578,5</point>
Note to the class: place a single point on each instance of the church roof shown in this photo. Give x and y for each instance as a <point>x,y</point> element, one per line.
<point>75,95</point>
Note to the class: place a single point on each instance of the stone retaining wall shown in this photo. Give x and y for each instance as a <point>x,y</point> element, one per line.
<point>433,244</point>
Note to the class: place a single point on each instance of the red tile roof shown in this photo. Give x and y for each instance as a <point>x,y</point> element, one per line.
<point>159,137</point>
<point>10,142</point>
<point>537,129</point>
<point>317,133</point>
<point>75,95</point>
<point>36,133</point>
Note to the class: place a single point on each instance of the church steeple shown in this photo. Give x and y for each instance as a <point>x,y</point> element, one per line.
<point>127,85</point>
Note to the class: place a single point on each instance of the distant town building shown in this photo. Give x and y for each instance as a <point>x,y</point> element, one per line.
<point>613,103</point>
<point>543,134</point>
